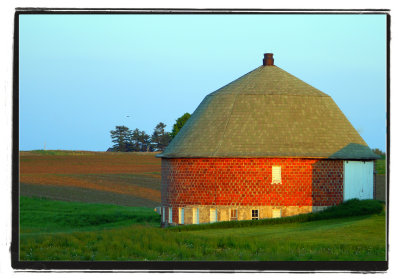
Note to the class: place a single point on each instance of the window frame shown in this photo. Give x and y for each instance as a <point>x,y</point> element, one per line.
<point>197,220</point>
<point>170,215</point>
<point>274,179</point>
<point>252,214</point>
<point>274,213</point>
<point>181,215</point>
<point>235,217</point>
<point>216,215</point>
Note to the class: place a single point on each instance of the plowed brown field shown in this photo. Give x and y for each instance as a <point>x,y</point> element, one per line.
<point>133,174</point>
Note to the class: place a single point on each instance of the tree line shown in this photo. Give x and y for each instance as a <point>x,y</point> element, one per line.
<point>379,152</point>
<point>126,140</point>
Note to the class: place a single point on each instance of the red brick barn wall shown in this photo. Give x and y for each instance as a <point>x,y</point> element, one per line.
<point>327,183</point>
<point>247,182</point>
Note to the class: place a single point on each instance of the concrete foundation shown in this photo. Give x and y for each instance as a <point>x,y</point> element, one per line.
<point>243,212</point>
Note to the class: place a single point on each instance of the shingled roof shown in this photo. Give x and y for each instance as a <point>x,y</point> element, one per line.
<point>268,113</point>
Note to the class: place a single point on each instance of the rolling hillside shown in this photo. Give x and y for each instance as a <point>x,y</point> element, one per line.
<point>131,179</point>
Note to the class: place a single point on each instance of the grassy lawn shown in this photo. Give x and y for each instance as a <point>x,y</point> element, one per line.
<point>40,215</point>
<point>55,230</point>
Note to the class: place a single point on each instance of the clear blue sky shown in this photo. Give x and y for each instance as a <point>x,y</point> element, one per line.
<point>81,75</point>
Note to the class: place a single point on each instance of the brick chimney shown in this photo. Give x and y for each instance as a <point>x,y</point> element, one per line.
<point>268,59</point>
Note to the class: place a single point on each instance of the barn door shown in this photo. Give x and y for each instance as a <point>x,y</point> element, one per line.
<point>358,180</point>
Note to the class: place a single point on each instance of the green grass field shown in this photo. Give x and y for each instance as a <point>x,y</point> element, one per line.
<point>40,215</point>
<point>56,230</point>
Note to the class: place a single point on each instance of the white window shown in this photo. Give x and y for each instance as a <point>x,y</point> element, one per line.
<point>181,215</point>
<point>276,175</point>
<point>254,214</point>
<point>234,214</point>
<point>195,215</point>
<point>170,215</point>
<point>276,213</point>
<point>213,215</point>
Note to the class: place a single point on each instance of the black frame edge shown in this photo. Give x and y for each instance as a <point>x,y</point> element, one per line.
<point>15,149</point>
<point>226,267</point>
<point>388,38</point>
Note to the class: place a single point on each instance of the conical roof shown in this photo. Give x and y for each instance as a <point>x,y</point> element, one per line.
<point>268,113</point>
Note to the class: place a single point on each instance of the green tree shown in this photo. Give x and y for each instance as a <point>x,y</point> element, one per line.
<point>379,152</point>
<point>135,139</point>
<point>179,124</point>
<point>160,138</point>
<point>121,138</point>
<point>145,142</point>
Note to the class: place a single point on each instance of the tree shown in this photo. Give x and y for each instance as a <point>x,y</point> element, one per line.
<point>145,142</point>
<point>179,124</point>
<point>121,138</point>
<point>379,152</point>
<point>135,139</point>
<point>160,137</point>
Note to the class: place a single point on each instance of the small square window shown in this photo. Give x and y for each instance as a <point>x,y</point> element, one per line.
<point>234,214</point>
<point>254,214</point>
<point>276,175</point>
<point>276,213</point>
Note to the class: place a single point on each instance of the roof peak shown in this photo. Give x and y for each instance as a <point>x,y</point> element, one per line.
<point>268,80</point>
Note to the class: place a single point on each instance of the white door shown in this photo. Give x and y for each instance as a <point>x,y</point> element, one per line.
<point>358,180</point>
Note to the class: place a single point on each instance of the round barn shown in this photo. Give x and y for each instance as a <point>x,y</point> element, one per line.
<point>266,145</point>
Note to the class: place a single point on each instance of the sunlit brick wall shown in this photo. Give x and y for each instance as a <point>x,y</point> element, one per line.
<point>241,181</point>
